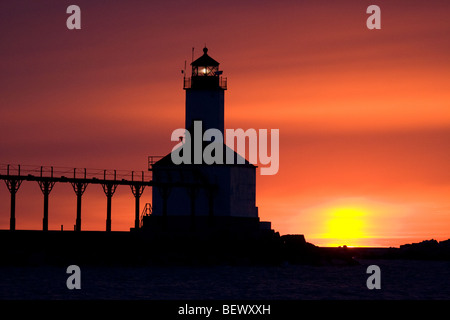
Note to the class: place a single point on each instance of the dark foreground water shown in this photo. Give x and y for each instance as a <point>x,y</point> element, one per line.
<point>400,279</point>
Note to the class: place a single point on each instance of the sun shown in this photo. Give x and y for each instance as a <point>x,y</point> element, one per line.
<point>345,226</point>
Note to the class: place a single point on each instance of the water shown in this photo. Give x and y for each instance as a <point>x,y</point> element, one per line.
<point>400,279</point>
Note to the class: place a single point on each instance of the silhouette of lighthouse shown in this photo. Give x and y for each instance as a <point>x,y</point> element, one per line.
<point>199,196</point>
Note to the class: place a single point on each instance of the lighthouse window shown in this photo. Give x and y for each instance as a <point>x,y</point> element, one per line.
<point>204,71</point>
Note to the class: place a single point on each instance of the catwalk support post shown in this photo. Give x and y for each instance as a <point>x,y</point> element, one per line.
<point>79,188</point>
<point>13,183</point>
<point>46,187</point>
<point>137,190</point>
<point>13,186</point>
<point>108,189</point>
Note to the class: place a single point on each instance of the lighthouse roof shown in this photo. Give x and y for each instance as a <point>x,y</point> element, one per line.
<point>205,60</point>
<point>237,158</point>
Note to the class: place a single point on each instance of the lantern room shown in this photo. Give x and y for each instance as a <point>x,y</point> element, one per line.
<point>205,66</point>
<point>205,74</point>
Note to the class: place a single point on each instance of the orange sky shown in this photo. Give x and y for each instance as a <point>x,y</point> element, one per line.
<point>364,116</point>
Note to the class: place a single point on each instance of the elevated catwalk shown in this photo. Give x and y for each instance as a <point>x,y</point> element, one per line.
<point>47,177</point>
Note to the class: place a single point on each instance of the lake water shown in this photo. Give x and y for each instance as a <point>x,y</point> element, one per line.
<point>400,279</point>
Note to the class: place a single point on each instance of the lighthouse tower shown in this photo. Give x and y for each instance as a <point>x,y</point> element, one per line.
<point>205,92</point>
<point>190,196</point>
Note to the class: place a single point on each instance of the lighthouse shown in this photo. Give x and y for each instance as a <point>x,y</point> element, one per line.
<point>200,196</point>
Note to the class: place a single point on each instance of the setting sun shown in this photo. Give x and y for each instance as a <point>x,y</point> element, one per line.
<point>345,226</point>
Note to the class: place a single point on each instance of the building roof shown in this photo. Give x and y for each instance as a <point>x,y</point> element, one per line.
<point>205,60</point>
<point>167,160</point>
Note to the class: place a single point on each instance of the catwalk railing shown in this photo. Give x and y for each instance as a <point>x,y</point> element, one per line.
<point>65,174</point>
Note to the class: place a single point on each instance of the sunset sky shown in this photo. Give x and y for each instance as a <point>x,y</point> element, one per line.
<point>364,115</point>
